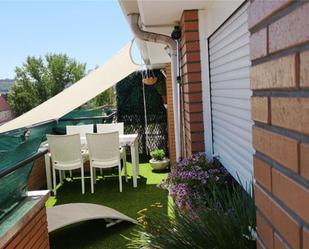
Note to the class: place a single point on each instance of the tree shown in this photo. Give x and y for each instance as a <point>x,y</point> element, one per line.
<point>108,97</point>
<point>40,79</point>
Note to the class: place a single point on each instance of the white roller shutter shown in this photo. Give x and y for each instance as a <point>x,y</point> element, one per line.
<point>230,96</point>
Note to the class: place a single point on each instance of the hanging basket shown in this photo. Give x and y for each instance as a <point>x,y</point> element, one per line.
<point>150,81</point>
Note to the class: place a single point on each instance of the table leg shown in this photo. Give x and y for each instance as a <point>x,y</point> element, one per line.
<point>48,172</point>
<point>134,167</point>
<point>136,156</point>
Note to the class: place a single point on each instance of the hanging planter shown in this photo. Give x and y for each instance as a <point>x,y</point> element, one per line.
<point>150,81</point>
<point>149,78</point>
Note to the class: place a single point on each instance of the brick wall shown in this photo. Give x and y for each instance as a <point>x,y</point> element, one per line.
<point>33,234</point>
<point>170,114</point>
<point>37,178</point>
<point>280,108</point>
<point>191,87</point>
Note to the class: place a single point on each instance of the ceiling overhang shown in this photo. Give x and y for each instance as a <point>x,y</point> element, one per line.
<point>161,17</point>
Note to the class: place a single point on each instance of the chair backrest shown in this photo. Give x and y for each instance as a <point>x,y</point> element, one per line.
<point>79,129</point>
<point>111,127</point>
<point>104,147</point>
<point>64,148</point>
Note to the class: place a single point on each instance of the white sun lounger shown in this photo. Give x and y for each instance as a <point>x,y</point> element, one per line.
<point>67,214</point>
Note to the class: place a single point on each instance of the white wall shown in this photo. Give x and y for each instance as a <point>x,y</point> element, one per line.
<point>209,21</point>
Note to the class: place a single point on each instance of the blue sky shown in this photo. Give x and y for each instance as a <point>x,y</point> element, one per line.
<point>89,31</point>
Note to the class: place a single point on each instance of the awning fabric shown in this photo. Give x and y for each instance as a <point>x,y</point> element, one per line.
<point>104,77</point>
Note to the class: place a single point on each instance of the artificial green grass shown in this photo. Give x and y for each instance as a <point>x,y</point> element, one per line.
<point>93,234</point>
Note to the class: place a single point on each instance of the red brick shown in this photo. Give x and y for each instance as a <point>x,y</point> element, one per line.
<point>305,238</point>
<point>198,147</point>
<point>258,44</point>
<point>197,137</point>
<point>265,232</point>
<point>280,148</point>
<point>262,201</point>
<point>297,198</point>
<point>37,178</point>
<point>278,73</point>
<point>170,114</point>
<point>193,97</point>
<point>259,245</point>
<point>260,109</point>
<point>290,30</point>
<point>304,69</point>
<point>191,68</point>
<point>304,160</point>
<point>193,46</point>
<point>190,26</point>
<point>189,15</point>
<point>194,117</point>
<point>280,219</point>
<point>191,57</point>
<point>262,172</point>
<point>33,233</point>
<point>193,107</point>
<point>192,78</point>
<point>291,113</point>
<point>190,88</point>
<point>261,9</point>
<point>190,36</point>
<point>278,243</point>
<point>194,127</point>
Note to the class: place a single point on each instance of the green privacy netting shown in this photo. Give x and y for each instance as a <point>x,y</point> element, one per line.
<point>82,116</point>
<point>21,144</point>
<point>24,144</point>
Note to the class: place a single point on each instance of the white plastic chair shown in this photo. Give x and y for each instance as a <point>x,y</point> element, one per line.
<point>103,128</point>
<point>66,155</point>
<point>79,129</point>
<point>111,127</point>
<point>103,153</point>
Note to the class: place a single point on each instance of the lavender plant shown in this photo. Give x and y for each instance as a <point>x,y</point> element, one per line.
<point>190,179</point>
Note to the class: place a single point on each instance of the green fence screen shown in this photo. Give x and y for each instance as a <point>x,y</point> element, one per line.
<point>18,145</point>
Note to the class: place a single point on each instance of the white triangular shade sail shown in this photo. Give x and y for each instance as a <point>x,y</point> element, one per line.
<point>104,77</point>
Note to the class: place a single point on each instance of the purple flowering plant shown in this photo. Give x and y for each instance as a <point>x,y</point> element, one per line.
<point>189,181</point>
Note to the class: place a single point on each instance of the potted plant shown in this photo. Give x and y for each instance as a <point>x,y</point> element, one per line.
<point>158,160</point>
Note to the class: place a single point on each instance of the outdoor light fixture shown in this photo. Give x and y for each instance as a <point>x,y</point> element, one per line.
<point>176,33</point>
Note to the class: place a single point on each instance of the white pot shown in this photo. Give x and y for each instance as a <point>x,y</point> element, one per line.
<point>159,165</point>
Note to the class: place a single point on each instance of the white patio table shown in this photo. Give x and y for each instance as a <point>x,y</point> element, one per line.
<point>124,140</point>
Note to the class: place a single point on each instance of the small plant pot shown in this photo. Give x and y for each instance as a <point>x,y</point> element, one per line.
<point>159,165</point>
<point>150,81</point>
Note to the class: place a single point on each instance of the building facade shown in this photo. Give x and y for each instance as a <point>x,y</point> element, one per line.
<point>6,113</point>
<point>244,98</point>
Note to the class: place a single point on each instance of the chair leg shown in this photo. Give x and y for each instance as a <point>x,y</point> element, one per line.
<point>71,174</point>
<point>83,180</point>
<point>91,180</point>
<point>124,160</point>
<point>54,181</point>
<point>60,176</point>
<point>120,178</point>
<point>95,175</point>
<point>101,172</point>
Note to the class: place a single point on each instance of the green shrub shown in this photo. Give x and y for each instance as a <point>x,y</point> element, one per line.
<point>228,222</point>
<point>157,155</point>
